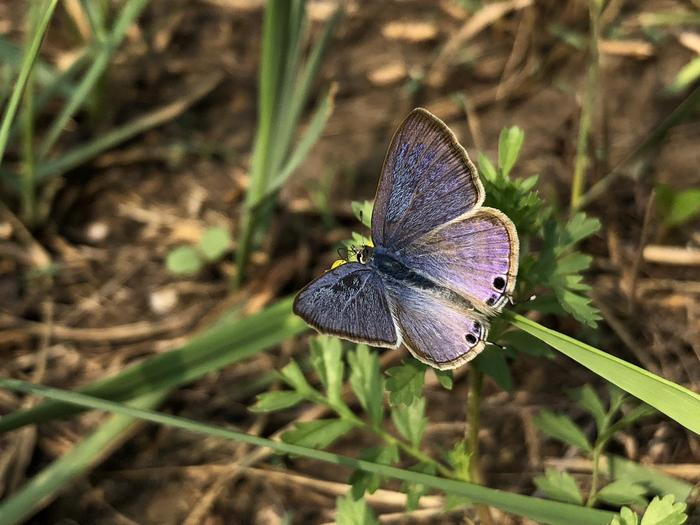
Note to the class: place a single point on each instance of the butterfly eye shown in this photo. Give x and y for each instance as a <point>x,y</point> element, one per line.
<point>499,283</point>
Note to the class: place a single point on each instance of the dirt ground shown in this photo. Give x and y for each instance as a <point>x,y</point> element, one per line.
<point>111,302</point>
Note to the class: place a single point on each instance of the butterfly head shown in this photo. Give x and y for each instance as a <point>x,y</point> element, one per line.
<point>364,254</point>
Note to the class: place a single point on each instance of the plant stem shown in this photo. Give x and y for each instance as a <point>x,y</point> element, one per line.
<point>582,154</point>
<point>27,65</point>
<point>594,477</point>
<point>471,437</point>
<point>27,172</point>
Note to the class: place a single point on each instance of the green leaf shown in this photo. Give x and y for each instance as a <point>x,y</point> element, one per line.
<point>560,486</point>
<point>677,206</point>
<point>294,377</point>
<point>687,76</point>
<point>363,212</point>
<point>327,360</point>
<point>510,141</point>
<point>410,420</point>
<point>350,511</point>
<point>579,227</point>
<point>675,401</point>
<point>621,492</point>
<point>486,169</point>
<point>524,342</point>
<point>367,382</point>
<point>492,362</point>
<point>272,401</point>
<point>214,243</point>
<point>460,460</point>
<point>317,434</point>
<point>444,377</point>
<point>587,399</point>
<point>537,509</point>
<point>183,260</point>
<point>362,481</point>
<point>561,427</point>
<point>665,511</point>
<point>656,481</point>
<point>405,382</point>
<point>626,517</point>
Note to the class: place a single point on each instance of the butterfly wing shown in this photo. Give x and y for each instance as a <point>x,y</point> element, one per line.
<point>436,331</point>
<point>475,256</point>
<point>427,180</point>
<point>350,302</point>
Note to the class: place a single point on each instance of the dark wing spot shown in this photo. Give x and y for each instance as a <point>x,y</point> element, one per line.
<point>491,300</point>
<point>477,327</point>
<point>499,283</point>
<point>470,339</point>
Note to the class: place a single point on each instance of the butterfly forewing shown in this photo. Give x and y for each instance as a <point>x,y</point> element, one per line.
<point>350,302</point>
<point>427,180</point>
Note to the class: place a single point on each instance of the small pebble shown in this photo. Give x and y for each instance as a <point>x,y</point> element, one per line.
<point>163,301</point>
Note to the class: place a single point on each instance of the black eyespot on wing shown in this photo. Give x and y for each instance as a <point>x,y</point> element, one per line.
<point>499,283</point>
<point>491,300</point>
<point>470,339</point>
<point>477,327</point>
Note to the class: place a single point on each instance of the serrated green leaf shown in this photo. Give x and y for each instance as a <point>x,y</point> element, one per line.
<point>626,517</point>
<point>492,362</point>
<point>183,260</point>
<point>327,361</point>
<point>444,377</point>
<point>362,481</point>
<point>621,492</point>
<point>410,420</point>
<point>560,486</point>
<point>294,377</point>
<point>579,227</point>
<point>561,427</point>
<point>214,243</point>
<point>317,434</point>
<point>363,212</point>
<point>272,401</point>
<point>510,141</point>
<point>367,382</point>
<point>460,460</point>
<point>587,399</point>
<point>350,511</point>
<point>665,511</point>
<point>405,382</point>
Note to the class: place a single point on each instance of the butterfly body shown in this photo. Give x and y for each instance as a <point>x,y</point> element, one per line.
<point>441,264</point>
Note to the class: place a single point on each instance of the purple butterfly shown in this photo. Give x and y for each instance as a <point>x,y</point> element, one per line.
<point>441,264</point>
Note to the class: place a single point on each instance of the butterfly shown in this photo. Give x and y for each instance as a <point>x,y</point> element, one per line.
<point>441,264</point>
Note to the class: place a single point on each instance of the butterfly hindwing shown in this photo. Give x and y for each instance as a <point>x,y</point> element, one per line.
<point>475,256</point>
<point>437,332</point>
<point>427,180</point>
<point>350,302</point>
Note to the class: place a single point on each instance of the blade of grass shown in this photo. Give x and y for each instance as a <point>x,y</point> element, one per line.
<point>316,127</point>
<point>675,401</point>
<point>41,489</point>
<point>85,152</point>
<point>46,75</point>
<point>534,508</point>
<point>131,10</point>
<point>27,64</point>
<point>620,468</point>
<point>221,345</point>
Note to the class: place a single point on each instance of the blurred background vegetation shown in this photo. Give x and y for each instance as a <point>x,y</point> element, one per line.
<point>172,161</point>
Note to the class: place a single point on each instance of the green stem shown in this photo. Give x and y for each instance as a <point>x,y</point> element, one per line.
<point>27,65</point>
<point>27,173</point>
<point>471,436</point>
<point>582,154</point>
<point>594,477</point>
